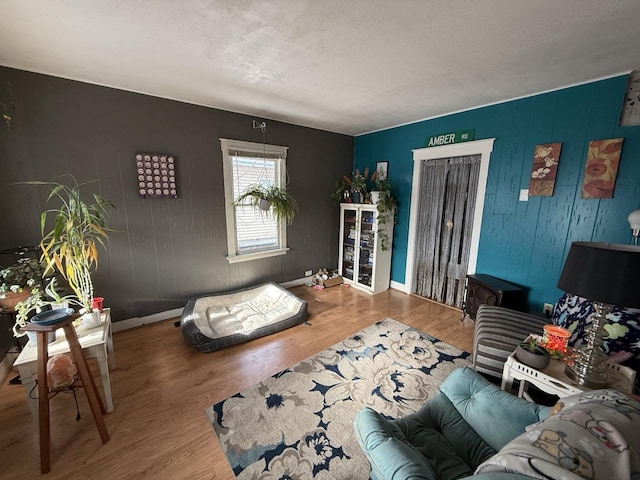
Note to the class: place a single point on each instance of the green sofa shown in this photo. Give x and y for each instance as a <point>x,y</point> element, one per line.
<point>467,422</point>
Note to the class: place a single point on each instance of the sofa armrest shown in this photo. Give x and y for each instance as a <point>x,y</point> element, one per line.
<point>497,332</point>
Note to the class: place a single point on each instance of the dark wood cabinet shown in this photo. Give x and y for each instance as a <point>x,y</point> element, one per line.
<point>485,289</point>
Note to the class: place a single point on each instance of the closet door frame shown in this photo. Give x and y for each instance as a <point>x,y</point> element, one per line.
<point>478,147</point>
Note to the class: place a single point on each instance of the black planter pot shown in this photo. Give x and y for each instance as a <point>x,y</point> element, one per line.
<point>538,359</point>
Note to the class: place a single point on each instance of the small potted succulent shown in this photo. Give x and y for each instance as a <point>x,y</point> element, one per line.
<point>18,281</point>
<point>532,354</point>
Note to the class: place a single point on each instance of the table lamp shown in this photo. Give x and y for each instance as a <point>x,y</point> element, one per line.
<point>606,274</point>
<point>634,223</point>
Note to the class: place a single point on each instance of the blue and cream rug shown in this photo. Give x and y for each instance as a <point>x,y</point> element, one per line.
<point>297,424</point>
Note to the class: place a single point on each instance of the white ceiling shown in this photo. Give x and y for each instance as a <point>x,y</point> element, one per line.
<point>348,66</point>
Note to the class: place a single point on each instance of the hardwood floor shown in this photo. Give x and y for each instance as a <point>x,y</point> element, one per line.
<point>161,387</point>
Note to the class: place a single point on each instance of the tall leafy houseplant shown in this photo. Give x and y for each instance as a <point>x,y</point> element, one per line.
<point>78,226</point>
<point>271,199</point>
<point>386,206</point>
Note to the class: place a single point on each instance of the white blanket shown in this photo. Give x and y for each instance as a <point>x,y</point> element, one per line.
<point>595,435</point>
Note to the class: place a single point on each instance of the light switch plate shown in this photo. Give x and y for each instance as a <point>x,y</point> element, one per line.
<point>524,195</point>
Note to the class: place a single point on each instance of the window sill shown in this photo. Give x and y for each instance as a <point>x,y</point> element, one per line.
<point>246,257</point>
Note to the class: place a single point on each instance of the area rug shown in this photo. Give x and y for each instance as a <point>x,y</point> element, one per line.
<point>298,424</point>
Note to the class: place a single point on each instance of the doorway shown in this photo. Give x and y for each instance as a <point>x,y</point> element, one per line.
<point>445,201</point>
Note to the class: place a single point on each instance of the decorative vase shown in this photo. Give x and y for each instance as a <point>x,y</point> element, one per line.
<point>91,319</point>
<point>375,196</point>
<point>356,197</point>
<point>96,303</point>
<point>9,300</point>
<point>538,359</point>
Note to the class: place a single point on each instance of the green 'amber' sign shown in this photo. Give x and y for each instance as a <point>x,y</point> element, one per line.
<point>448,138</point>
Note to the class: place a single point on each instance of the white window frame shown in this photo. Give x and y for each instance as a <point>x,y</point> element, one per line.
<point>228,147</point>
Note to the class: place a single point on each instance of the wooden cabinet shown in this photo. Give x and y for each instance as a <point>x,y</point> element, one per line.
<point>488,290</point>
<point>363,263</point>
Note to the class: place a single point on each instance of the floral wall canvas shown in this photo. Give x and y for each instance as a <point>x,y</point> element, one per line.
<point>600,173</point>
<point>545,167</point>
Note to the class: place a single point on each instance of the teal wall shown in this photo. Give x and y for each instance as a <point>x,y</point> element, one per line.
<point>526,242</point>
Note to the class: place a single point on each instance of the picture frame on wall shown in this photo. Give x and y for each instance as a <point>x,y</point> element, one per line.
<point>383,170</point>
<point>630,114</point>
<point>601,169</point>
<point>545,167</point>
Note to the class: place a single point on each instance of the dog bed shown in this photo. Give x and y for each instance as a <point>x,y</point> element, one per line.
<point>212,322</point>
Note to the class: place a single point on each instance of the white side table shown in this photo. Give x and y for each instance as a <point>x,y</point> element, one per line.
<point>554,381</point>
<point>95,342</point>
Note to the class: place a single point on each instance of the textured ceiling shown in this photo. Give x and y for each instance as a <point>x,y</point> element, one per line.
<point>349,66</point>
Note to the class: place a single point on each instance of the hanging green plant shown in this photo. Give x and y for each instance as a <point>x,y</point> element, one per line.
<point>386,206</point>
<point>273,200</point>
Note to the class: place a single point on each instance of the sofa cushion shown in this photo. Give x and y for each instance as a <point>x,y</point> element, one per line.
<point>433,443</point>
<point>497,416</point>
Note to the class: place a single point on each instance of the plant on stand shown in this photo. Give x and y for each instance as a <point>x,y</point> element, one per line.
<point>70,246</point>
<point>19,281</point>
<point>532,354</point>
<point>386,204</point>
<point>271,199</point>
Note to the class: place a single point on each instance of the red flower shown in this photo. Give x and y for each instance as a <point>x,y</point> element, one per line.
<point>598,189</point>
<point>596,167</point>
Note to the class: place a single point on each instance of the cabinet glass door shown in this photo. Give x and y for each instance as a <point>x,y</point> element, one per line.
<point>350,229</point>
<point>367,248</point>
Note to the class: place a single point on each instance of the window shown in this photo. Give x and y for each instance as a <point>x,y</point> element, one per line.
<point>252,234</point>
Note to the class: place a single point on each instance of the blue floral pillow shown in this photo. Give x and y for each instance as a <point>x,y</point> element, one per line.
<point>623,327</point>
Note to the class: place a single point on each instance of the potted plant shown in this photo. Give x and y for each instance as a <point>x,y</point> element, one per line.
<point>357,185</point>
<point>532,354</point>
<point>70,245</point>
<point>271,199</point>
<point>18,281</point>
<point>386,204</point>
<point>36,303</point>
<point>341,192</point>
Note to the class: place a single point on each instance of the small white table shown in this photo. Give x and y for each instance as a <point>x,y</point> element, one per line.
<point>554,381</point>
<point>95,342</point>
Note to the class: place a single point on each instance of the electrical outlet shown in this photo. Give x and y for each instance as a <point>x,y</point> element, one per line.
<point>308,273</point>
<point>547,309</point>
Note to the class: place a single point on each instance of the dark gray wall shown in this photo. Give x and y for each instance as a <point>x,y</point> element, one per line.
<point>163,251</point>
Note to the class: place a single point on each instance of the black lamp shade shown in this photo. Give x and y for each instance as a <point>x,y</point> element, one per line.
<point>603,272</point>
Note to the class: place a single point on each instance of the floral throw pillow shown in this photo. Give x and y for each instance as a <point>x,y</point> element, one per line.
<point>622,329</point>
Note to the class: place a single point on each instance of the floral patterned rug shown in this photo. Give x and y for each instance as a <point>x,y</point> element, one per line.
<point>297,424</point>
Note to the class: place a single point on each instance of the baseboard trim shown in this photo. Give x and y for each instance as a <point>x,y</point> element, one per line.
<point>139,321</point>
<point>294,283</point>
<point>400,286</point>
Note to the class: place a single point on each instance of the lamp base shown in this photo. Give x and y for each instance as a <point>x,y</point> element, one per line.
<point>588,368</point>
<point>588,379</point>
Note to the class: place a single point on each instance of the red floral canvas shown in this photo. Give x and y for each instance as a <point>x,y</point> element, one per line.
<point>545,167</point>
<point>600,173</point>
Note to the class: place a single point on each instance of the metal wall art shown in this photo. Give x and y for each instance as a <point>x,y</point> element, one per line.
<point>156,174</point>
<point>544,170</point>
<point>600,173</point>
<point>630,114</point>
